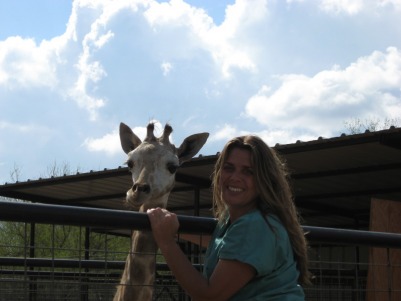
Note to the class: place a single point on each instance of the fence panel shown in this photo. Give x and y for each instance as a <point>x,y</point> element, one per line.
<point>72,253</point>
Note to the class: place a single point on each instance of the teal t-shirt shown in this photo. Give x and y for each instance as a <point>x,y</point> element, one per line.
<point>251,240</point>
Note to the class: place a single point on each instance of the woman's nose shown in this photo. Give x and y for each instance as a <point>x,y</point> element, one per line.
<point>235,175</point>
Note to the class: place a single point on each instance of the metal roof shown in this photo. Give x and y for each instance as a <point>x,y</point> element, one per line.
<point>333,179</point>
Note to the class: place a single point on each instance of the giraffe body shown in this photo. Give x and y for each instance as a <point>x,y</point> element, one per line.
<point>153,163</point>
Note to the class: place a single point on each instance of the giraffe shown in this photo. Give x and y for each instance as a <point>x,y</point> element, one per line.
<point>153,164</point>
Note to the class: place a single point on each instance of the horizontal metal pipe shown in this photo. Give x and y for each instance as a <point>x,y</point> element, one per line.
<point>118,219</point>
<point>61,263</point>
<point>337,236</point>
<point>93,217</point>
<point>71,263</point>
<point>67,276</point>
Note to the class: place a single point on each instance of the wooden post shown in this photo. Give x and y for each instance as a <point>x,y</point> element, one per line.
<point>384,274</point>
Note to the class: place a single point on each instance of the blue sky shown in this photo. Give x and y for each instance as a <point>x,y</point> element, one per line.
<point>71,71</point>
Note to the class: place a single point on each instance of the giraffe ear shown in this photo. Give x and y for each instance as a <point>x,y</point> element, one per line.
<point>191,146</point>
<point>129,141</point>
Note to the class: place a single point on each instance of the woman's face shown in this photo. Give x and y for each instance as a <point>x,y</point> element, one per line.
<point>238,183</point>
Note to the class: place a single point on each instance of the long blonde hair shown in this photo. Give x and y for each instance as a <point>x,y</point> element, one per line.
<point>275,195</point>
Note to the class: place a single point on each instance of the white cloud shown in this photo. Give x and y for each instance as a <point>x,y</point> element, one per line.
<point>89,74</point>
<point>224,133</point>
<point>350,7</point>
<point>166,68</point>
<point>92,27</point>
<point>396,4</point>
<point>50,66</point>
<point>224,43</point>
<point>109,143</point>
<point>74,65</point>
<point>23,63</point>
<point>368,88</point>
<point>271,136</point>
<point>280,136</point>
<point>228,42</point>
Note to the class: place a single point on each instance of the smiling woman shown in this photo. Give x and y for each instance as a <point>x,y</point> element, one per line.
<point>41,19</point>
<point>258,250</point>
<point>237,183</point>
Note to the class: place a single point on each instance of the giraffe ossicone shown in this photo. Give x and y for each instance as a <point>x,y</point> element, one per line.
<point>153,163</point>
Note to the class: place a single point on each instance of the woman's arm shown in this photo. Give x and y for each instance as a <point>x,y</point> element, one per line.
<point>228,277</point>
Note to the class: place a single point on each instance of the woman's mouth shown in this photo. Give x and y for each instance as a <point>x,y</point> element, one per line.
<point>234,189</point>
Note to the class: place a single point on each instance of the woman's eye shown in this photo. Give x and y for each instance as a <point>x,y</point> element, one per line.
<point>248,172</point>
<point>172,168</point>
<point>227,167</point>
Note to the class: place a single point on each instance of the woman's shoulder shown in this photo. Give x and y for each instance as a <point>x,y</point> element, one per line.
<point>252,217</point>
<point>268,223</point>
<point>256,216</point>
<point>253,221</point>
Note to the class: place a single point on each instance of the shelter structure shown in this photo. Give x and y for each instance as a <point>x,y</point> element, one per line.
<point>334,181</point>
<point>345,182</point>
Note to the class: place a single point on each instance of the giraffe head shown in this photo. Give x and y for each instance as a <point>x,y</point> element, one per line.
<point>153,163</point>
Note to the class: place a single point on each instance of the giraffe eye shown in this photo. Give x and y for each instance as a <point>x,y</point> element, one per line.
<point>172,167</point>
<point>130,164</point>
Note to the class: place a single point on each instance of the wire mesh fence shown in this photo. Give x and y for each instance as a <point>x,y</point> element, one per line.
<point>71,268</point>
<point>354,273</point>
<point>40,262</point>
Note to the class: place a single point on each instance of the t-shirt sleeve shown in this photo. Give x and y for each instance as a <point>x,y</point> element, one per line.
<point>252,242</point>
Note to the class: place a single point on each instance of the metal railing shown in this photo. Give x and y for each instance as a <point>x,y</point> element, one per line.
<point>343,261</point>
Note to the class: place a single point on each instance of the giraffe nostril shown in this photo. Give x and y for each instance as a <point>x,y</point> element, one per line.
<point>141,188</point>
<point>145,188</point>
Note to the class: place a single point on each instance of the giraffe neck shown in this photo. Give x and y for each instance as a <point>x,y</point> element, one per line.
<point>139,273</point>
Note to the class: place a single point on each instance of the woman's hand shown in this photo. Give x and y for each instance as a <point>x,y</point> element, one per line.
<point>164,225</point>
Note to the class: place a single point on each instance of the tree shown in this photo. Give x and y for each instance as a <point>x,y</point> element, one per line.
<point>358,126</point>
<point>55,241</point>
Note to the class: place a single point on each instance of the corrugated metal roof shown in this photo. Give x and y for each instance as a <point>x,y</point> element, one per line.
<point>333,179</point>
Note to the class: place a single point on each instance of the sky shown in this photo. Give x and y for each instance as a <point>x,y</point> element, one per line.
<point>286,70</point>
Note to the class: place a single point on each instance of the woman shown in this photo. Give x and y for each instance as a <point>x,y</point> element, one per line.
<point>258,249</point>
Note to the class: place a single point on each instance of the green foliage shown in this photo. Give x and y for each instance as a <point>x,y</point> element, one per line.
<point>13,240</point>
<point>59,241</point>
